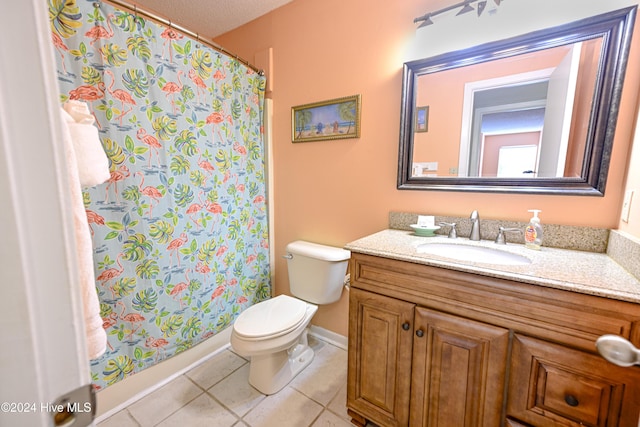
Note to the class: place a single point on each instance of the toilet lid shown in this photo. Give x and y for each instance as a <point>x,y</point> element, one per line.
<point>270,317</point>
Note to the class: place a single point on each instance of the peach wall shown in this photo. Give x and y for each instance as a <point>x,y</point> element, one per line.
<point>633,183</point>
<point>333,192</point>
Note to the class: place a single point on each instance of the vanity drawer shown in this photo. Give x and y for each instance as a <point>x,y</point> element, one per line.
<point>553,385</point>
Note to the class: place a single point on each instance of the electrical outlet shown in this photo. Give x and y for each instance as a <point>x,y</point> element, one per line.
<point>626,205</point>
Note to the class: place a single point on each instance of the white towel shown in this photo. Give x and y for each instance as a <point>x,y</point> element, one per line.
<point>93,164</point>
<point>95,333</point>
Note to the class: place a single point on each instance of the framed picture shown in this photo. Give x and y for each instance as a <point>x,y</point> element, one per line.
<point>422,119</point>
<point>333,119</point>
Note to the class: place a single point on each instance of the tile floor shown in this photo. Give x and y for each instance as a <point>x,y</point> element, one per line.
<point>216,393</point>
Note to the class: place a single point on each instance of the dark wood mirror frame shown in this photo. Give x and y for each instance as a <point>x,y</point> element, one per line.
<point>615,27</point>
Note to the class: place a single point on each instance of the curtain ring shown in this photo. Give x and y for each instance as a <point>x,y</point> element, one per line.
<point>136,18</point>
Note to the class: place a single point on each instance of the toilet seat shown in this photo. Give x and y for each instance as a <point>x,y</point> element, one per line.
<point>271,318</point>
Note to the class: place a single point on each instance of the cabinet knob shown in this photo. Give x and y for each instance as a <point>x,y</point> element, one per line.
<point>406,326</point>
<point>571,400</point>
<point>420,333</point>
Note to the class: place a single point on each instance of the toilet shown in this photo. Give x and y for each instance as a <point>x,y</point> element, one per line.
<point>273,333</point>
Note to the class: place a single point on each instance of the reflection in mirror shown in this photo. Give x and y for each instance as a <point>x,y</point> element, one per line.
<point>531,114</point>
<point>505,106</point>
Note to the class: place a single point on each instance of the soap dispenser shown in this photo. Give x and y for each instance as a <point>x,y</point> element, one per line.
<point>533,231</point>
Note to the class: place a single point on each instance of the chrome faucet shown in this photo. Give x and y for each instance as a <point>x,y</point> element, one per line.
<point>475,226</point>
<point>453,233</point>
<point>500,239</point>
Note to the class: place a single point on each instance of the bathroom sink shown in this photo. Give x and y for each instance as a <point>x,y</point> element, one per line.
<point>469,253</point>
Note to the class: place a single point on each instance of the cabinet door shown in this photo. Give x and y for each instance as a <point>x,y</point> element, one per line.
<point>458,375</point>
<point>380,340</point>
<point>552,385</point>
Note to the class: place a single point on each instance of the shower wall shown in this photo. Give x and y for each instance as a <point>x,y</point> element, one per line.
<point>180,231</point>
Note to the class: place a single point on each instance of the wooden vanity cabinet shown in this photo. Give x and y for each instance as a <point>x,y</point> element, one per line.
<point>435,347</point>
<point>380,348</point>
<point>458,370</point>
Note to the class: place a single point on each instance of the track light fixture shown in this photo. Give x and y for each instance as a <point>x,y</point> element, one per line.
<point>426,21</point>
<point>465,7</point>
<point>481,5</point>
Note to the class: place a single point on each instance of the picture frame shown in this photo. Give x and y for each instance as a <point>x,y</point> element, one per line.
<point>422,119</point>
<point>337,118</point>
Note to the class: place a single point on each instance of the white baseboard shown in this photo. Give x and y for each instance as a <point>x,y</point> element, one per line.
<point>326,335</point>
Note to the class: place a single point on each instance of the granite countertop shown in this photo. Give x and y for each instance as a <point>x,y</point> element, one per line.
<point>577,271</point>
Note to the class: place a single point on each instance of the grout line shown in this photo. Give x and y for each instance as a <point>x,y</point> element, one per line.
<point>180,408</point>
<point>318,417</point>
<point>225,407</point>
<point>131,417</point>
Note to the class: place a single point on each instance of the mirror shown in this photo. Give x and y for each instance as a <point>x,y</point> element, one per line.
<point>531,114</point>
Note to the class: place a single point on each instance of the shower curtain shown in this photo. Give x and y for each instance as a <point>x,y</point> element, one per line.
<point>180,238</point>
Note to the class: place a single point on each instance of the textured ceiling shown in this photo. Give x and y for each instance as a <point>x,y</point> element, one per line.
<point>209,18</point>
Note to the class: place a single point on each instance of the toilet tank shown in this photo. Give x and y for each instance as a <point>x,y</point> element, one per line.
<point>316,272</point>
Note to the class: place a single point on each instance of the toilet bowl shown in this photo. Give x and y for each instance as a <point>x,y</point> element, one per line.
<point>273,333</point>
<point>277,344</point>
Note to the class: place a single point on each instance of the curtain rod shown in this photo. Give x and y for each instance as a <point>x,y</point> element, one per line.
<point>137,11</point>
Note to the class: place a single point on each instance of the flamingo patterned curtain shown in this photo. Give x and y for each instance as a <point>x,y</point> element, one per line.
<point>179,230</point>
